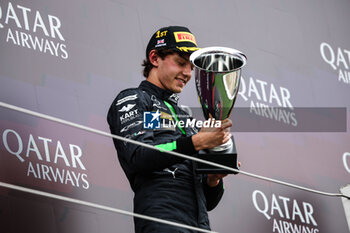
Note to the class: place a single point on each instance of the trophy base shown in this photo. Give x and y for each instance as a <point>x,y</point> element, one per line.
<point>227,157</point>
<point>223,147</point>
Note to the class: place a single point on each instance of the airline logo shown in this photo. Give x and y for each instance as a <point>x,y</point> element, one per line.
<point>346,161</point>
<point>339,59</point>
<point>184,37</point>
<point>65,166</point>
<point>1,26</point>
<point>32,29</point>
<point>285,214</point>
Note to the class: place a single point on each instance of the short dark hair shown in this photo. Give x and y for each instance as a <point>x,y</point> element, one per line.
<point>162,53</point>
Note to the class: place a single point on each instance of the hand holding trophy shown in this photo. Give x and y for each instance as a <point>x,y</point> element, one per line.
<point>217,72</point>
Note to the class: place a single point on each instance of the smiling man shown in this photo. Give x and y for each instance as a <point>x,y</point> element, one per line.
<point>166,186</point>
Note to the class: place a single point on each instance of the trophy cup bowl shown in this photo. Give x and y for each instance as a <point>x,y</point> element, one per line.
<point>217,72</point>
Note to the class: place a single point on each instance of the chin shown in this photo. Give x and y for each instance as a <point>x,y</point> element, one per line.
<point>178,90</point>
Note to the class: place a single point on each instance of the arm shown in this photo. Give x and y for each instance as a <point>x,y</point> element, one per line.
<point>213,194</point>
<point>136,158</point>
<point>148,160</point>
<point>208,138</point>
<point>213,187</point>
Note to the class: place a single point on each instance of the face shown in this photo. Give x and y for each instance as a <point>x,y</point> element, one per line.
<point>173,72</point>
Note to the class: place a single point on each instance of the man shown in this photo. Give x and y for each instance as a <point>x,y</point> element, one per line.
<point>166,186</point>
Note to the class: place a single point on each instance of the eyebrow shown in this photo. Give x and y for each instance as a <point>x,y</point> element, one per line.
<point>185,60</point>
<point>184,57</point>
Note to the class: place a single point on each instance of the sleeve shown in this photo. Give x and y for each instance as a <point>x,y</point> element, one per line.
<point>125,118</point>
<point>213,195</point>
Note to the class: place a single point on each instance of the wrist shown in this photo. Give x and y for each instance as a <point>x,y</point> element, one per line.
<point>197,142</point>
<point>185,146</point>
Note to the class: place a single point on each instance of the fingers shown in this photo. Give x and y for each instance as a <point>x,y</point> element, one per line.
<point>212,136</point>
<point>225,124</point>
<point>227,137</point>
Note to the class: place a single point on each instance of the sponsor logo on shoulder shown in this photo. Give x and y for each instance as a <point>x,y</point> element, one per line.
<point>131,136</point>
<point>129,116</point>
<point>156,103</point>
<point>127,108</point>
<point>132,125</point>
<point>127,98</point>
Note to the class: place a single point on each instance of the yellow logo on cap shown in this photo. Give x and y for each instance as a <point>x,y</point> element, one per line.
<point>187,49</point>
<point>184,36</point>
<point>161,34</point>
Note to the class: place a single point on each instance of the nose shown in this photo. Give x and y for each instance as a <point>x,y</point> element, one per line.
<point>188,70</point>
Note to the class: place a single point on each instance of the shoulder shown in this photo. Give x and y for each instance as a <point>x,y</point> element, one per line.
<point>130,94</point>
<point>131,101</point>
<point>130,97</point>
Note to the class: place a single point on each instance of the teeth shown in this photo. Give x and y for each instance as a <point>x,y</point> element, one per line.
<point>181,80</point>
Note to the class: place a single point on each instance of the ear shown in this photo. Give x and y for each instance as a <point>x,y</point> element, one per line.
<point>154,58</point>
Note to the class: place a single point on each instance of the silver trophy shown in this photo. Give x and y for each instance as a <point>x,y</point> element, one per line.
<point>217,72</point>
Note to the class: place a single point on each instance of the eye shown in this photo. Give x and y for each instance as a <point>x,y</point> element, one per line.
<point>184,63</point>
<point>181,63</point>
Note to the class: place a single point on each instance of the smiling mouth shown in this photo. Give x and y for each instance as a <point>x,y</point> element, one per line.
<point>182,80</point>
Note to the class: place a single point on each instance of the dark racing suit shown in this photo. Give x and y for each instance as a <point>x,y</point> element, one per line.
<point>165,185</point>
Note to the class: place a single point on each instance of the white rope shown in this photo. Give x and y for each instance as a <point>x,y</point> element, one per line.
<point>55,119</point>
<point>97,206</point>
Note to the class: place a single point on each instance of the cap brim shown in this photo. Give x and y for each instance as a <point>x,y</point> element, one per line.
<point>186,49</point>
